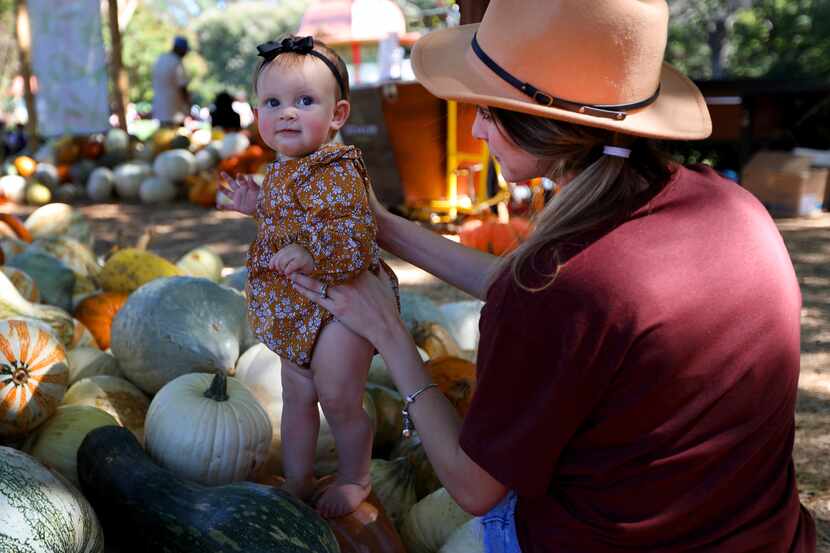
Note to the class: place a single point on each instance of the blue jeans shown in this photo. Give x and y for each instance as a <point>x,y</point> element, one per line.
<point>499,527</point>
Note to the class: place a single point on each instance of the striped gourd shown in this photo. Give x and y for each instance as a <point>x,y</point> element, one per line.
<point>41,511</point>
<point>34,375</point>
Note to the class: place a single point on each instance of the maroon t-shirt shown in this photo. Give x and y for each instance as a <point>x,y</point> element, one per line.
<point>646,399</point>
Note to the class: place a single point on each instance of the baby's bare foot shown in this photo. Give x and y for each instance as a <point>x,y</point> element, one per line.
<point>342,498</point>
<point>301,489</point>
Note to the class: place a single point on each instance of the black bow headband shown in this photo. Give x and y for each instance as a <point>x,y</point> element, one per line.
<point>299,45</point>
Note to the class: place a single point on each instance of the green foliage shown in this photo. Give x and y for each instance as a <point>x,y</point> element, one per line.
<point>9,56</point>
<point>775,39</point>
<point>227,38</point>
<point>782,39</point>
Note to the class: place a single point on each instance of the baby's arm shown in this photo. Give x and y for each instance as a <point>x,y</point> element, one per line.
<point>238,194</point>
<point>292,258</point>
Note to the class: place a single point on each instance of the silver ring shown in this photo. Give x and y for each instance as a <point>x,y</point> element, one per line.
<point>323,289</point>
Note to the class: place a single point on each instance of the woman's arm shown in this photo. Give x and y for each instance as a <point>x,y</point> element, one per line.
<point>465,268</point>
<point>439,427</point>
<point>367,306</point>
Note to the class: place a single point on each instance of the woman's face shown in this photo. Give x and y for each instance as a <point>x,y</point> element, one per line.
<point>515,164</point>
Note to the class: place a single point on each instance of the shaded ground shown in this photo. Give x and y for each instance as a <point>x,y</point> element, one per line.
<point>181,227</point>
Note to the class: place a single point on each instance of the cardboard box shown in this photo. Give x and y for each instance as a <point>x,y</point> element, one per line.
<point>819,159</point>
<point>786,183</point>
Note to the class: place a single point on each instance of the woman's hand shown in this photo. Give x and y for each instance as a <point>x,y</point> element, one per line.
<point>238,194</point>
<point>366,305</point>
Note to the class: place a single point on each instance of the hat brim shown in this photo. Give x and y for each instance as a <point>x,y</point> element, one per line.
<point>443,65</point>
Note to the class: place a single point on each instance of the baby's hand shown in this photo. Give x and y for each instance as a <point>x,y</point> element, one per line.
<point>239,194</point>
<point>292,259</point>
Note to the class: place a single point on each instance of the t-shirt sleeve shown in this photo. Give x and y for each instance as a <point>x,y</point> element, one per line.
<point>545,361</point>
<point>339,230</point>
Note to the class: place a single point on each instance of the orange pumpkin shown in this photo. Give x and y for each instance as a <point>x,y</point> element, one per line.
<point>201,191</point>
<point>367,530</point>
<point>63,172</point>
<point>494,237</point>
<point>92,149</point>
<point>33,376</point>
<point>231,165</point>
<point>96,312</point>
<point>25,166</point>
<point>17,226</point>
<point>456,378</point>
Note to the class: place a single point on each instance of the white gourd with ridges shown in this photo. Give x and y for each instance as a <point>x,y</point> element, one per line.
<point>128,178</point>
<point>177,325</point>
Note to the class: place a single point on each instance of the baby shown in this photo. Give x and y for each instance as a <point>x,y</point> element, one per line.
<point>313,217</point>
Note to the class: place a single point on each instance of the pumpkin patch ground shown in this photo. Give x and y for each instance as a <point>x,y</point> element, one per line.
<point>176,229</point>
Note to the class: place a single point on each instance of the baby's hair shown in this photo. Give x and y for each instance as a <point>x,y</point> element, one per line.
<point>322,48</point>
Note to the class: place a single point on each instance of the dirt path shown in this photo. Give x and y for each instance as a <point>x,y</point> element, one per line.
<point>181,227</point>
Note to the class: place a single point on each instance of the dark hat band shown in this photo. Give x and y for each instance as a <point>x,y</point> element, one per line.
<point>610,111</point>
<point>303,46</point>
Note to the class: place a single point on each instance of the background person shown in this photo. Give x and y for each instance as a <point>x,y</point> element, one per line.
<point>171,99</point>
<point>639,353</point>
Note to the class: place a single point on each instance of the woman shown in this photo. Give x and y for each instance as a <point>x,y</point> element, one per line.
<point>639,353</point>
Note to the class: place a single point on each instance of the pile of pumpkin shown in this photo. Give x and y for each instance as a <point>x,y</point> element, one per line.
<point>170,164</point>
<point>136,404</point>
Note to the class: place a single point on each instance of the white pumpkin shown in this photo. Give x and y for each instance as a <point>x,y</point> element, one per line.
<point>42,510</point>
<point>60,219</point>
<point>100,184</point>
<point>126,403</point>
<point>116,140</point>
<point>233,144</point>
<point>467,538</point>
<point>174,165</point>
<point>128,178</point>
<point>260,370</point>
<point>462,317</point>
<point>47,174</point>
<point>417,308</point>
<point>86,361</point>
<point>208,429</point>
<point>206,159</point>
<point>55,443</point>
<point>431,522</point>
<point>156,190</point>
<point>202,262</point>
<point>13,187</point>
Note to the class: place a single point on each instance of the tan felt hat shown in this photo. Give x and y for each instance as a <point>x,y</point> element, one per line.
<point>591,62</point>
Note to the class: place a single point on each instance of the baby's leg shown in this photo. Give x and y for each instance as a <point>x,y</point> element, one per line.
<point>340,365</point>
<point>299,428</point>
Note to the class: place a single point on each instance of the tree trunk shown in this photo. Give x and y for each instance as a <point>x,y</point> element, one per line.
<point>117,74</point>
<point>23,35</point>
<point>472,10</point>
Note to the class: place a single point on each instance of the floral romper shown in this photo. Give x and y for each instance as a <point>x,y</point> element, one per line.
<point>319,202</point>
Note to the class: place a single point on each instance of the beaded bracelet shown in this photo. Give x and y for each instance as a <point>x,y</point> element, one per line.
<point>407,401</point>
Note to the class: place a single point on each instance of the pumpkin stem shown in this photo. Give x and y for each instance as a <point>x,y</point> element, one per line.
<point>218,390</point>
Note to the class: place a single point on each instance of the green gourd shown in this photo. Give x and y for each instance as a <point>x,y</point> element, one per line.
<point>144,507</point>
